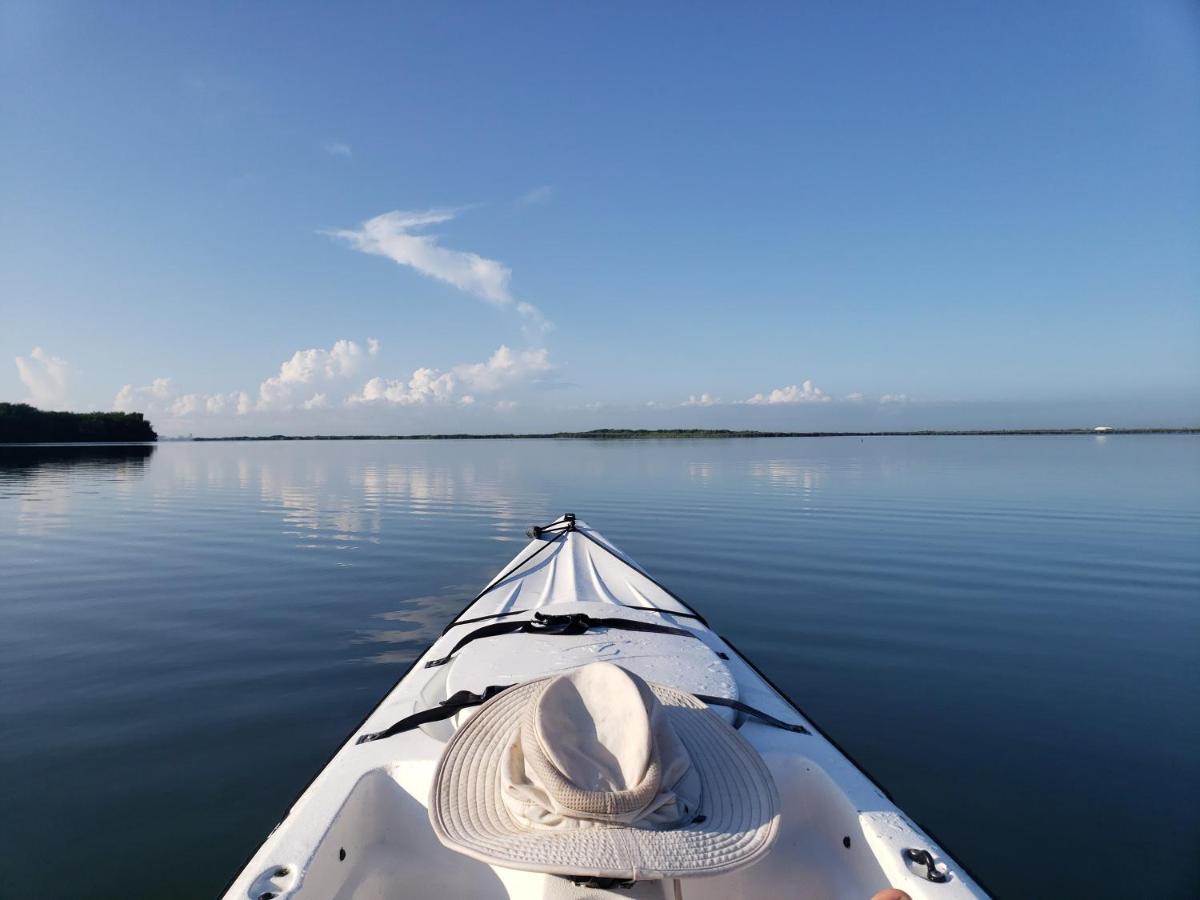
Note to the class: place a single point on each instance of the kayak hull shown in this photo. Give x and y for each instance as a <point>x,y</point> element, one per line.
<point>361,829</point>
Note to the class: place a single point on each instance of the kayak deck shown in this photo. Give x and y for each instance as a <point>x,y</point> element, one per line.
<point>361,829</point>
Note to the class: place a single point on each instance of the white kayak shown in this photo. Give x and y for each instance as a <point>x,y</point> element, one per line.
<point>362,830</point>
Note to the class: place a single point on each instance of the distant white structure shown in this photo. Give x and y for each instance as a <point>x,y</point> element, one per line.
<point>1102,429</point>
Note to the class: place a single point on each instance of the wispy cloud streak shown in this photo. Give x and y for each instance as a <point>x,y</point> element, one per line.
<point>397,236</point>
<point>537,196</point>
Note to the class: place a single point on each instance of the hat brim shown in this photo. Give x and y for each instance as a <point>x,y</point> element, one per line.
<point>737,824</point>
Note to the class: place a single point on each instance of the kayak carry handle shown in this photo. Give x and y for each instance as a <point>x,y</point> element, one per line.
<point>533,532</point>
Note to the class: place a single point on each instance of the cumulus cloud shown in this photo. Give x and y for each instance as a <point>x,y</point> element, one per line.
<point>702,400</point>
<point>187,404</point>
<point>506,405</point>
<point>124,401</point>
<point>425,386</point>
<point>855,397</point>
<point>45,377</point>
<point>806,392</point>
<point>396,235</point>
<point>337,148</point>
<point>893,398</point>
<point>159,398</point>
<point>502,369</point>
<point>313,366</point>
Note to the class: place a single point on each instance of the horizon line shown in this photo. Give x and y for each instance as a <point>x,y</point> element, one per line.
<point>684,433</point>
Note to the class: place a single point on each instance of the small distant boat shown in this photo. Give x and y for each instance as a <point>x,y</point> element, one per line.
<point>570,600</point>
<point>1103,429</point>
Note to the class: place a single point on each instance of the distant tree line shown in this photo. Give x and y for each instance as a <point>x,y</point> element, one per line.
<point>624,434</point>
<point>21,423</point>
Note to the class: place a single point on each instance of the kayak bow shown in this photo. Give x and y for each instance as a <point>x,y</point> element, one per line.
<point>570,598</point>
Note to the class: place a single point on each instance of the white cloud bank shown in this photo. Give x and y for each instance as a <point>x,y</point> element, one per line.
<point>806,392</point>
<point>313,366</point>
<point>159,398</point>
<point>502,369</point>
<point>296,385</point>
<point>45,377</point>
<point>310,380</point>
<point>394,235</point>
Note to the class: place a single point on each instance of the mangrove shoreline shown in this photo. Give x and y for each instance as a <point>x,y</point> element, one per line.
<point>626,434</point>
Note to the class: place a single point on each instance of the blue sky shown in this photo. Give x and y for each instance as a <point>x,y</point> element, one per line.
<point>250,218</point>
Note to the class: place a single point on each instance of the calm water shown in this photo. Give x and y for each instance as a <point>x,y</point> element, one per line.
<point>1003,631</point>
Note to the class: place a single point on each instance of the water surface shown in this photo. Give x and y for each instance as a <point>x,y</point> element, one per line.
<point>1002,631</point>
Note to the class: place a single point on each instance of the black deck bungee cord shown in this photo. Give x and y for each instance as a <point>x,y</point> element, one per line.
<point>464,699</point>
<point>444,710</point>
<point>514,612</point>
<point>567,624</point>
<point>512,570</point>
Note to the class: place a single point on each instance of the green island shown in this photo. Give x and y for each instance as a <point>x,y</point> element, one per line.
<point>21,423</point>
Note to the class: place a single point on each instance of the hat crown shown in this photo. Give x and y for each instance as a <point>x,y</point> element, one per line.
<point>594,726</point>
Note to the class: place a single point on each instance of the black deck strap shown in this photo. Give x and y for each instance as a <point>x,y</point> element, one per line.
<point>514,612</point>
<point>447,708</point>
<point>753,713</point>
<point>464,699</point>
<point>569,624</point>
<point>500,615</point>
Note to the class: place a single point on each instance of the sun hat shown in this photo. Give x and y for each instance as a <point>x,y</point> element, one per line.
<point>600,774</point>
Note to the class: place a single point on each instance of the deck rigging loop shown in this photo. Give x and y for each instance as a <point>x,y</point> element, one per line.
<point>567,624</point>
<point>925,858</point>
<point>558,526</point>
